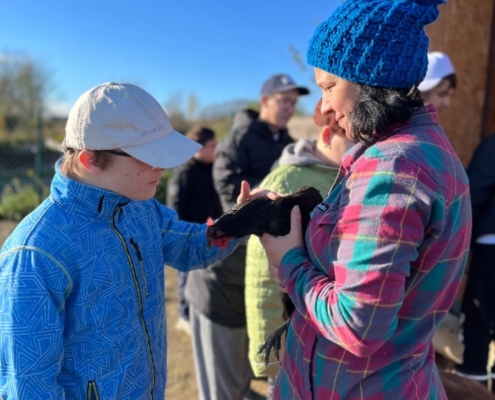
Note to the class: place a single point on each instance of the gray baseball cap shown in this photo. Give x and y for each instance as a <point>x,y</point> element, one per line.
<point>124,116</point>
<point>281,83</point>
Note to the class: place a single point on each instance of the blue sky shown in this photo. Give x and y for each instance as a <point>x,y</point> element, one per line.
<point>216,50</point>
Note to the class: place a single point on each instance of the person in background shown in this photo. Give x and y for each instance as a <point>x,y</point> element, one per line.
<point>383,255</point>
<point>440,82</point>
<point>313,162</point>
<point>82,277</point>
<point>191,193</point>
<point>478,305</point>
<point>256,140</point>
<point>437,88</point>
<point>216,295</point>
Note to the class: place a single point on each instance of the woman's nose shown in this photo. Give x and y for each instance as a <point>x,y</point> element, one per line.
<point>326,108</point>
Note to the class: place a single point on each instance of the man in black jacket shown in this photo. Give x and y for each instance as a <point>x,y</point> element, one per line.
<point>256,140</point>
<point>216,295</point>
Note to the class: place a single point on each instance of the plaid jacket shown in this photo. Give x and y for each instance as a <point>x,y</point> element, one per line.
<point>385,255</point>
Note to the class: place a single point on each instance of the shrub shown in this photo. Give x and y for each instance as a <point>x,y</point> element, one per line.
<point>18,200</point>
<point>161,189</point>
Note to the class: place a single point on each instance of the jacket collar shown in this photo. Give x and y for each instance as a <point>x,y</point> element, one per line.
<point>80,198</point>
<point>426,115</point>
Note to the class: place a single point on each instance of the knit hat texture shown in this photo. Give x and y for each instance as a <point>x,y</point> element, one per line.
<point>375,42</point>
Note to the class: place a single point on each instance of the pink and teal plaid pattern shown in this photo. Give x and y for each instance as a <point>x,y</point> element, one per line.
<point>386,254</point>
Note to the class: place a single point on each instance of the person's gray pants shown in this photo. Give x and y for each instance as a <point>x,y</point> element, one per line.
<point>223,371</point>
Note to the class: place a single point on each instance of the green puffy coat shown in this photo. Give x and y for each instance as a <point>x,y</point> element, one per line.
<point>264,309</point>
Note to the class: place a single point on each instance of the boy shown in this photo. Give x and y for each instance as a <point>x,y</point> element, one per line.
<point>82,304</point>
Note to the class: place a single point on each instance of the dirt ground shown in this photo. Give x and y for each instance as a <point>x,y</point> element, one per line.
<point>181,384</point>
<point>181,380</point>
<point>6,227</point>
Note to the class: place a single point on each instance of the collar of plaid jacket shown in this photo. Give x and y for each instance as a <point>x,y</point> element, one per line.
<point>426,115</point>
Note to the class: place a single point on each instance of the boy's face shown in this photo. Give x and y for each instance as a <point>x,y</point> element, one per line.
<point>131,178</point>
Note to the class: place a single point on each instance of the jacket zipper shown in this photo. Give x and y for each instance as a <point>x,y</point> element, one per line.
<point>140,259</point>
<point>92,391</point>
<point>140,300</point>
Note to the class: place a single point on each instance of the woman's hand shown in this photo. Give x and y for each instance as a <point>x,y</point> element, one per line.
<point>275,274</point>
<point>277,246</point>
<point>246,193</point>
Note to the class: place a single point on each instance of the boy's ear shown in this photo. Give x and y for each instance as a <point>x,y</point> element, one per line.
<point>87,160</point>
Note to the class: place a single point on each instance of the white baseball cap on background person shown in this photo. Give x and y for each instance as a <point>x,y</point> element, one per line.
<point>439,66</point>
<point>124,116</point>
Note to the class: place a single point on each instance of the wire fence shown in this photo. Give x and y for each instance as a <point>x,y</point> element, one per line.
<point>26,170</point>
<point>27,162</point>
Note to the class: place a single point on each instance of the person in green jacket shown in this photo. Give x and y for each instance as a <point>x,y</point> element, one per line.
<point>305,163</point>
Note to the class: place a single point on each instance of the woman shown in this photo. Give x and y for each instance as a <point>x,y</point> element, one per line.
<point>308,162</point>
<point>387,248</point>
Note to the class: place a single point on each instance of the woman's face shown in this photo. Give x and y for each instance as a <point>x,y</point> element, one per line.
<point>338,95</point>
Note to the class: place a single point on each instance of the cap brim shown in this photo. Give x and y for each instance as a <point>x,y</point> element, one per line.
<point>428,84</point>
<point>167,152</point>
<point>302,90</point>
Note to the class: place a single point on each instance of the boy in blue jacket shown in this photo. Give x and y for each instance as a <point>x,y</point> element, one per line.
<point>82,303</point>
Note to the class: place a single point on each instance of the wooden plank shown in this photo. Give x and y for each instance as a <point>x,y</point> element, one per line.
<point>464,32</point>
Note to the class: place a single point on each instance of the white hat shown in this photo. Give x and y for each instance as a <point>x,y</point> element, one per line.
<point>124,116</point>
<point>439,66</point>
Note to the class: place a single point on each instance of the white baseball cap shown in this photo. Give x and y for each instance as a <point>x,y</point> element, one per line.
<point>124,116</point>
<point>439,66</point>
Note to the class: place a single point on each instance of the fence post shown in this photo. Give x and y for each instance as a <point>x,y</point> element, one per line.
<point>38,166</point>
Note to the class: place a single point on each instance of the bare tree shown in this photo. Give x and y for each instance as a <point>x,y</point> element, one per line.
<point>192,106</point>
<point>24,87</point>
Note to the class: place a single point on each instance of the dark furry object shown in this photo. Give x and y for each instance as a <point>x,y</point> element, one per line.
<point>262,215</point>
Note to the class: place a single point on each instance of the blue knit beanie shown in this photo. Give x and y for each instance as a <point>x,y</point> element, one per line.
<point>375,42</point>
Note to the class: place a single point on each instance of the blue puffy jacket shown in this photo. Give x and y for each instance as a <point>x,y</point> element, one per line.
<point>82,302</point>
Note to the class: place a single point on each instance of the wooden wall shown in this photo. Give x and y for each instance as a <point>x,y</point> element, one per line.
<point>464,31</point>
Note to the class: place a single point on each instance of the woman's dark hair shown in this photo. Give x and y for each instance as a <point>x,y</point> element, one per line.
<point>378,109</point>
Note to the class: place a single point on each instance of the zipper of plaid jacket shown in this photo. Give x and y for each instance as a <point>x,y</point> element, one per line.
<point>138,291</point>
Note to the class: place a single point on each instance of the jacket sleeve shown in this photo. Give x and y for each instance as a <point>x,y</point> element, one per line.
<point>230,168</point>
<point>481,172</point>
<point>177,192</point>
<point>373,237</point>
<point>33,289</point>
<point>185,247</point>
